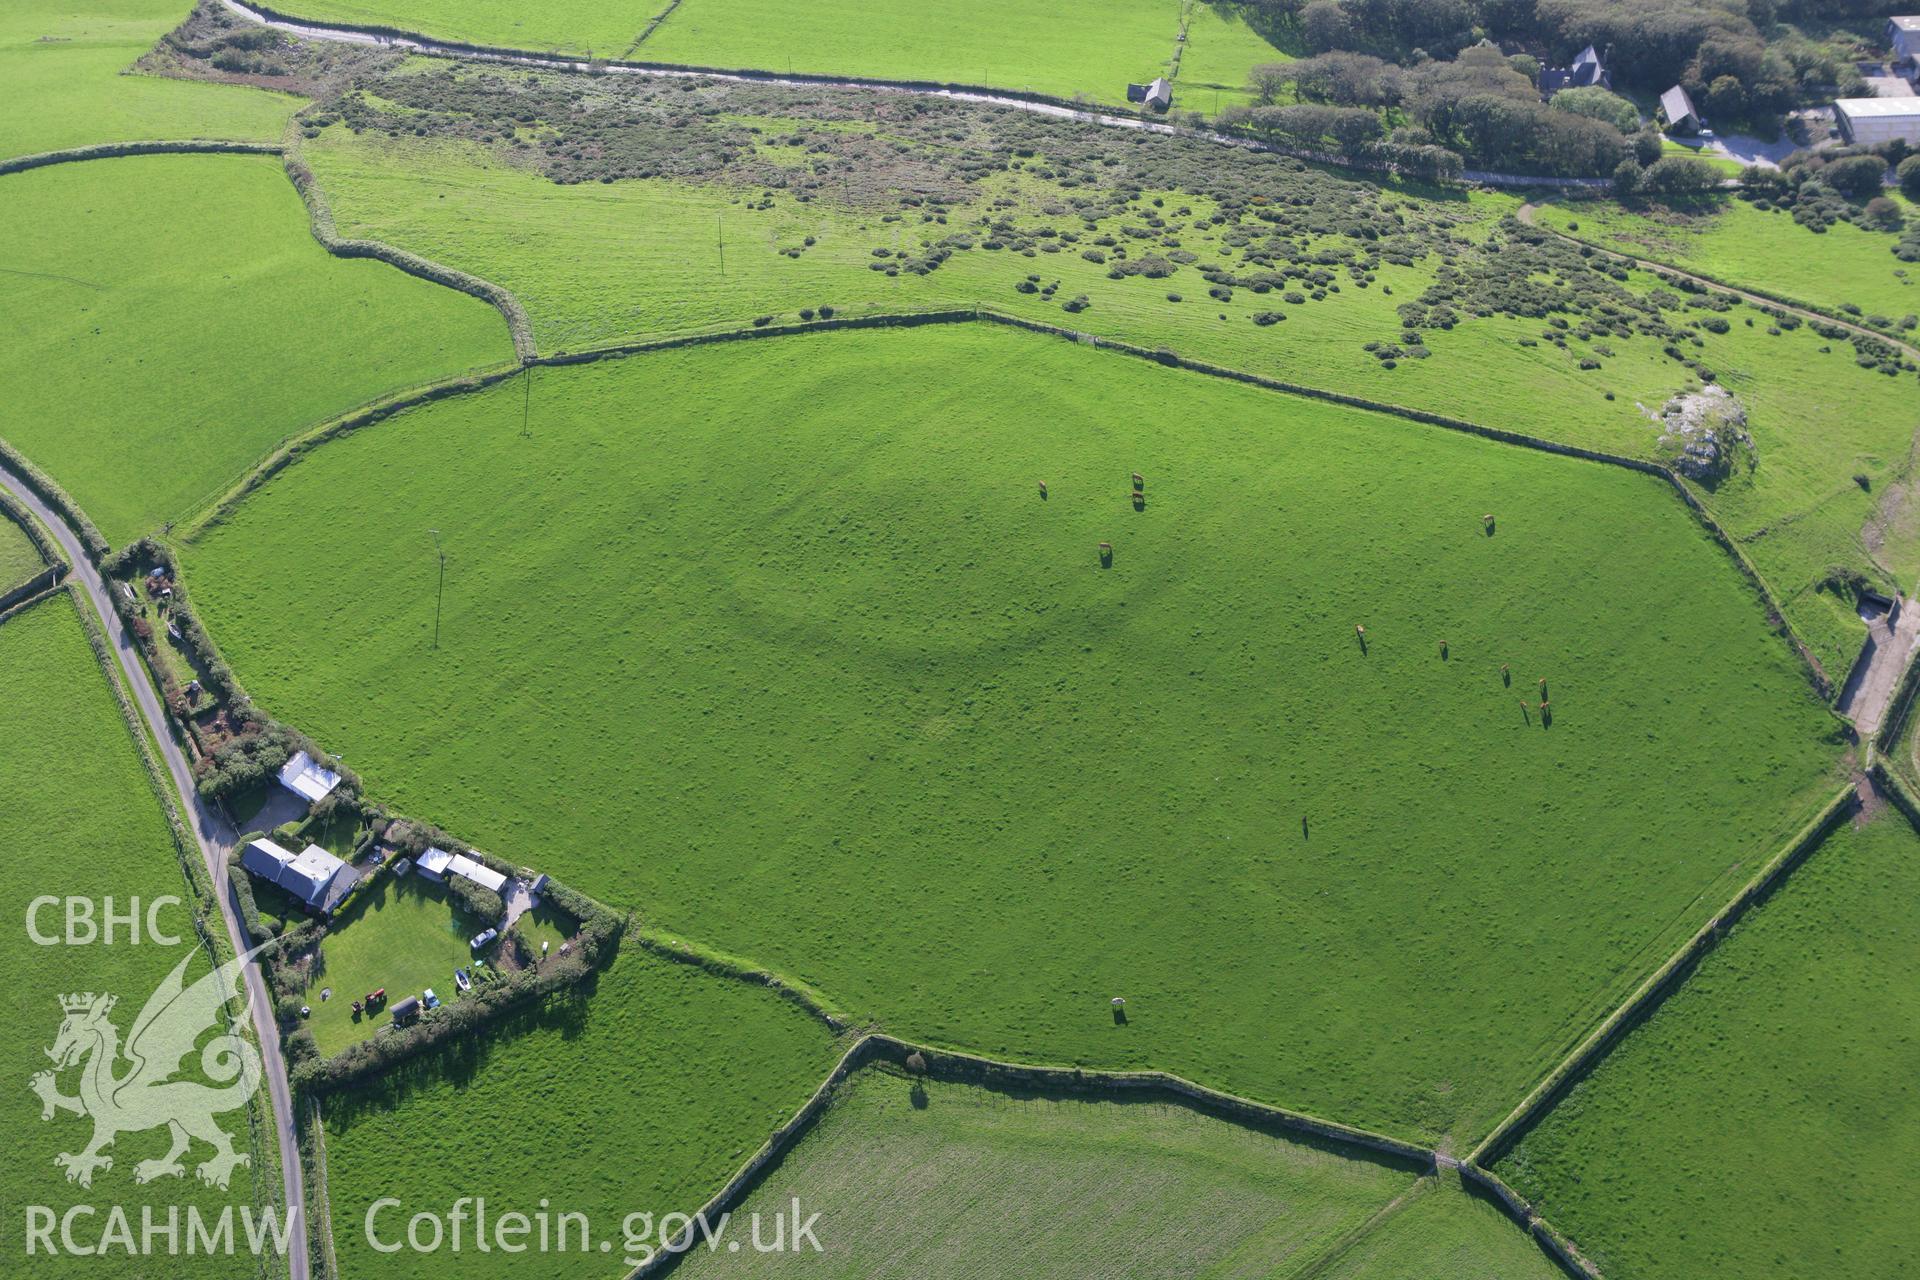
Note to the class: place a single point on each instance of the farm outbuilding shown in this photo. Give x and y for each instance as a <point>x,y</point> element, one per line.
<point>308,778</point>
<point>1159,95</point>
<point>438,864</point>
<point>1903,37</point>
<point>478,872</point>
<point>1867,121</point>
<point>1676,108</point>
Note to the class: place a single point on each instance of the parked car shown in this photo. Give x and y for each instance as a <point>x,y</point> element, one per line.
<point>433,1001</point>
<point>482,939</point>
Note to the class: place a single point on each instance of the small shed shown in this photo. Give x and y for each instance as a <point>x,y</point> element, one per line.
<point>433,864</point>
<point>308,778</point>
<point>1676,108</point>
<point>405,1011</point>
<point>1159,95</point>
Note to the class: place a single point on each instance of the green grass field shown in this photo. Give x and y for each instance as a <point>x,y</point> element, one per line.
<point>642,1099</point>
<point>1220,50</point>
<point>402,934</point>
<point>63,63</point>
<point>80,820</point>
<point>597,263</point>
<point>810,581</point>
<point>954,1180</point>
<point>1764,1122</point>
<point>566,26</point>
<point>147,368</point>
<point>1059,47</point>
<point>19,558</point>
<point>1761,249</point>
<point>1444,1233</point>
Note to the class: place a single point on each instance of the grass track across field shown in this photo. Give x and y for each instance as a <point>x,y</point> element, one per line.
<point>1764,1121</point>
<point>994,757</point>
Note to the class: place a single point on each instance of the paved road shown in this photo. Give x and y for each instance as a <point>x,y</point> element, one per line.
<point>415,43</point>
<point>1876,675</point>
<point>215,836</point>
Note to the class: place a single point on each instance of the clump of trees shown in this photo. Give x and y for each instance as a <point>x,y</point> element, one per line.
<point>1479,105</point>
<point>1734,56</point>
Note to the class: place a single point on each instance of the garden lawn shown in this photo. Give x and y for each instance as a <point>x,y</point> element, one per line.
<point>1443,1232</point>
<point>644,1098</point>
<point>1058,47</point>
<point>1765,1121</point>
<point>1758,249</point>
<point>954,1180</point>
<point>19,558</point>
<point>81,820</point>
<point>790,625</point>
<point>597,263</point>
<point>171,319</point>
<point>402,933</point>
<point>62,62</point>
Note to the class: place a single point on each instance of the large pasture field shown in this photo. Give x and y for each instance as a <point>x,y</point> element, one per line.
<point>80,819</point>
<point>63,63</point>
<point>954,1180</point>
<point>600,263</point>
<point>1060,47</point>
<point>171,319</point>
<point>791,626</point>
<point>642,1097</point>
<point>1765,1121</point>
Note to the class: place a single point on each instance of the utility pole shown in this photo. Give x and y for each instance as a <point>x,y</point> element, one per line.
<point>526,407</point>
<point>440,592</point>
<point>720,237</point>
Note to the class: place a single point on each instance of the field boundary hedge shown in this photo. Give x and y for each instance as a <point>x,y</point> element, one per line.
<point>12,510</point>
<point>398,402</point>
<point>967,1068</point>
<point>320,220</point>
<point>1657,266</point>
<point>1897,791</point>
<point>43,487</point>
<point>1654,989</point>
<point>1545,1234</point>
<point>114,150</point>
<point>1887,737</point>
<point>725,966</point>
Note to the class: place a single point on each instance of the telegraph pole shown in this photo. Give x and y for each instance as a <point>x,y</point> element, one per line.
<point>720,237</point>
<point>441,591</point>
<point>526,407</point>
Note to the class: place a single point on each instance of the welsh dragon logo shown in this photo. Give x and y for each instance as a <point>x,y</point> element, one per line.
<point>147,1094</point>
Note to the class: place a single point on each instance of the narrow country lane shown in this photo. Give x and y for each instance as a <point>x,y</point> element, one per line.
<point>215,836</point>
